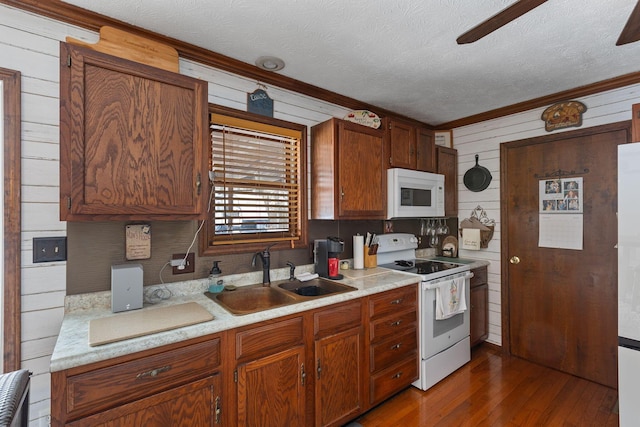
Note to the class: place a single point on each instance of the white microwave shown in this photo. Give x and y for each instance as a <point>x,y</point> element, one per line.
<point>414,194</point>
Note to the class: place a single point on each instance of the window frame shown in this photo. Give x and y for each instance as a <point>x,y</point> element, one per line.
<point>241,246</point>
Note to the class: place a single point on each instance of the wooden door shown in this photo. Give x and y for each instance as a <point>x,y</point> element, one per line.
<point>560,305</point>
<point>271,390</point>
<point>361,171</point>
<point>338,396</point>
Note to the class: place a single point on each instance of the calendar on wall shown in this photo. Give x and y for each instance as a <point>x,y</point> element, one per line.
<point>561,213</point>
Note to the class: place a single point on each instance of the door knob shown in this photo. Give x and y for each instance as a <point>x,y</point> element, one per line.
<point>514,260</point>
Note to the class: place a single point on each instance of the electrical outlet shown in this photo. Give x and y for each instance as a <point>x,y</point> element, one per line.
<point>190,265</point>
<point>49,249</point>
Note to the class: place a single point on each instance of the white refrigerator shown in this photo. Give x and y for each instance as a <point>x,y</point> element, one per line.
<point>629,283</point>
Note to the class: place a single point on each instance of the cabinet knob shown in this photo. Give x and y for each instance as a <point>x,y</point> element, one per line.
<point>514,260</point>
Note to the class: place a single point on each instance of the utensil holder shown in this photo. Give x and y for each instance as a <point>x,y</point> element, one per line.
<point>370,261</point>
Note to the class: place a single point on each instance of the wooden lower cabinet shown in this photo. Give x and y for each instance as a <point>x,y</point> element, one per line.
<point>479,312</point>
<point>393,345</point>
<point>270,374</point>
<point>339,348</point>
<point>184,406</point>
<point>322,367</point>
<point>178,385</point>
<point>271,390</point>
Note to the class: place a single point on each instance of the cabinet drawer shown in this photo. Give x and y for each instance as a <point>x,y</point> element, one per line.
<point>479,276</point>
<point>392,325</point>
<point>393,379</point>
<point>393,301</point>
<point>268,339</point>
<point>337,319</point>
<point>107,387</point>
<point>393,349</point>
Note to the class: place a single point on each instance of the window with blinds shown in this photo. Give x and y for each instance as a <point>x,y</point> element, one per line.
<point>258,184</point>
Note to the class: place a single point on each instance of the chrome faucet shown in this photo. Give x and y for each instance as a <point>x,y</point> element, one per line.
<point>265,256</point>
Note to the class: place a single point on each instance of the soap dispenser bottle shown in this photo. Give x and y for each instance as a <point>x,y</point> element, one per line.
<point>216,284</point>
<point>215,272</point>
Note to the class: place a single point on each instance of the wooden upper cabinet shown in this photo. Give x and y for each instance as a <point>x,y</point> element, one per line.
<point>425,150</point>
<point>410,147</point>
<point>133,140</point>
<point>447,159</point>
<point>348,172</point>
<point>402,145</point>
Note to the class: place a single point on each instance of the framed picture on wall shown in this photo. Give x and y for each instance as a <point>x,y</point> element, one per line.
<point>444,138</point>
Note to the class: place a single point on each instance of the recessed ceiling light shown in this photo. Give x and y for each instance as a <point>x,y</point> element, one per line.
<point>270,63</point>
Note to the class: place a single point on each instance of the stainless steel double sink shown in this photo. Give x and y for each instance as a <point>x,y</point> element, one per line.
<point>254,298</point>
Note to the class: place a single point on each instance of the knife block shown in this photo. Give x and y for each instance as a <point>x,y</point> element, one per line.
<point>370,261</point>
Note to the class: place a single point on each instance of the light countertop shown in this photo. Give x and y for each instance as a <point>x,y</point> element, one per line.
<point>72,347</point>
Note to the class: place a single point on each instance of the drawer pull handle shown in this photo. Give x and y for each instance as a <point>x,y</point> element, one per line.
<point>397,301</point>
<point>154,372</point>
<point>395,347</point>
<point>396,376</point>
<point>396,323</point>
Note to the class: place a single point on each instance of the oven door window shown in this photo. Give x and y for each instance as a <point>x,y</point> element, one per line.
<point>446,325</point>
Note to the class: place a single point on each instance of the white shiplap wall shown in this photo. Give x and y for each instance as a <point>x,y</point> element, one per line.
<point>30,44</point>
<point>485,139</point>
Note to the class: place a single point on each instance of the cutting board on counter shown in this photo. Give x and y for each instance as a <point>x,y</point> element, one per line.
<point>144,322</point>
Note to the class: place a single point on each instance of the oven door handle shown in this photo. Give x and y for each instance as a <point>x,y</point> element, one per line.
<point>433,285</point>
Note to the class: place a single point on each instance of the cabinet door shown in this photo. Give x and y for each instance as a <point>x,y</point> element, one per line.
<point>448,166</point>
<point>361,172</point>
<point>402,145</point>
<point>425,151</point>
<point>271,390</point>
<point>132,139</point>
<point>478,314</point>
<point>338,383</point>
<point>194,404</point>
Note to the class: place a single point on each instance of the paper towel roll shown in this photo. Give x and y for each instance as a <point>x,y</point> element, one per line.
<point>358,252</point>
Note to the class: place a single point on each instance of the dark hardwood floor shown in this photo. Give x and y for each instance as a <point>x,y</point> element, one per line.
<point>497,390</point>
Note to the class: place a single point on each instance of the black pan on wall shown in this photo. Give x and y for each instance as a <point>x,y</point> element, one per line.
<point>477,178</point>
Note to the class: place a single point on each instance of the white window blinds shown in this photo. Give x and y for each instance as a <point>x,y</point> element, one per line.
<point>256,182</point>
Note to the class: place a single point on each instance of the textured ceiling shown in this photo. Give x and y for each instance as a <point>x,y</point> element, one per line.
<point>401,55</point>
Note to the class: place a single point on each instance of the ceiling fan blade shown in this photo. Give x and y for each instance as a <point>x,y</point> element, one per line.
<point>502,18</point>
<point>631,31</point>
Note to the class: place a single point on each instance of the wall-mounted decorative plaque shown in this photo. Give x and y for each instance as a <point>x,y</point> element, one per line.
<point>563,115</point>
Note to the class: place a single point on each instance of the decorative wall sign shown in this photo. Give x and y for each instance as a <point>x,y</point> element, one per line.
<point>563,115</point>
<point>443,138</point>
<point>138,241</point>
<point>258,102</point>
<point>364,117</point>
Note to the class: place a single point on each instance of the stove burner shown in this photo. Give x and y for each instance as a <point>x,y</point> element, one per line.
<point>404,263</point>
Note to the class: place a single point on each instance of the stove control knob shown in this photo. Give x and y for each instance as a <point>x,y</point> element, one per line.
<point>514,260</point>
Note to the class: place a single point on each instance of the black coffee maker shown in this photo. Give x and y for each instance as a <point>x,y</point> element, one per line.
<point>325,257</point>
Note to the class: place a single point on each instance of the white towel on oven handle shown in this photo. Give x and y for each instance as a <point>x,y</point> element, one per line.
<point>450,298</point>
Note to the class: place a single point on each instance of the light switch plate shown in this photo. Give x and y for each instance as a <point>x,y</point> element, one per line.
<point>49,249</point>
